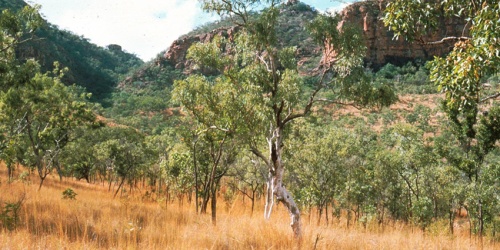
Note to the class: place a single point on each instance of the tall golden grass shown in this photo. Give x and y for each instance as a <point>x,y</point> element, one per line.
<point>94,220</point>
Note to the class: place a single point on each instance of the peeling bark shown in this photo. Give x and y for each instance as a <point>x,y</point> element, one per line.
<point>275,187</point>
<point>269,198</point>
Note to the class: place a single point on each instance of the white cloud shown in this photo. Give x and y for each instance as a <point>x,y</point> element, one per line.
<point>142,27</point>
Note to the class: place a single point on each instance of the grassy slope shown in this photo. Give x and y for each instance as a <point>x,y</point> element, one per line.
<point>97,221</point>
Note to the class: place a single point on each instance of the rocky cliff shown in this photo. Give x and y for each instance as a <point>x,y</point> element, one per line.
<point>176,54</point>
<point>382,48</point>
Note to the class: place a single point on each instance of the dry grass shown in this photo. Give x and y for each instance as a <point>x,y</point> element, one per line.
<point>97,221</point>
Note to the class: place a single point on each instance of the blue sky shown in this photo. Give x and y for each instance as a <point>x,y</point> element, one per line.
<point>142,27</point>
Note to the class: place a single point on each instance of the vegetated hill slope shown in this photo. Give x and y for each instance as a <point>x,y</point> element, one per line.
<point>96,68</point>
<point>382,48</point>
<point>142,98</point>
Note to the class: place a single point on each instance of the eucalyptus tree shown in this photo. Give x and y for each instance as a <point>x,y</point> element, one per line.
<point>215,124</point>
<point>14,28</point>
<point>79,157</point>
<point>248,177</point>
<point>42,115</point>
<point>473,111</point>
<point>160,146</point>
<point>179,171</point>
<point>317,160</point>
<point>258,89</point>
<point>38,112</point>
<point>410,157</point>
<point>124,154</point>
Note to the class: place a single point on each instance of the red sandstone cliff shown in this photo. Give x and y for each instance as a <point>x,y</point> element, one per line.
<point>381,46</point>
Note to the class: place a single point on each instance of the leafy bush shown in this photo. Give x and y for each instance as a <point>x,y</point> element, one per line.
<point>9,215</point>
<point>69,194</point>
<point>412,78</point>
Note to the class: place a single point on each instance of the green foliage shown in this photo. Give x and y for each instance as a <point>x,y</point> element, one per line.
<point>69,194</point>
<point>79,156</point>
<point>420,117</point>
<point>144,96</point>
<point>37,112</point>
<point>328,166</point>
<point>459,75</point>
<point>9,215</point>
<point>488,130</point>
<point>411,78</point>
<point>179,172</point>
<point>349,51</point>
<point>95,68</point>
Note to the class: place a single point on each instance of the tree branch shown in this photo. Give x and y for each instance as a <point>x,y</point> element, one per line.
<point>259,154</point>
<point>490,97</point>
<point>309,104</point>
<point>445,39</point>
<point>337,102</point>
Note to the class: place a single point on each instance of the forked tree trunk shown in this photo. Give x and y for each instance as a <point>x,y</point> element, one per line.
<point>275,185</point>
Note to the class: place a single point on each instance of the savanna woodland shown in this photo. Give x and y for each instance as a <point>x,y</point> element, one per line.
<point>278,126</point>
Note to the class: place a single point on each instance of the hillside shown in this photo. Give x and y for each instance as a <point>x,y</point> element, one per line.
<point>145,91</point>
<point>96,68</point>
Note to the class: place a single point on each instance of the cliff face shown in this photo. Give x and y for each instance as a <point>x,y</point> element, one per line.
<point>382,48</point>
<point>176,54</point>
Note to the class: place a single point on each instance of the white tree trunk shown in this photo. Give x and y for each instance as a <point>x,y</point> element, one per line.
<point>269,198</point>
<point>275,187</point>
<point>282,195</point>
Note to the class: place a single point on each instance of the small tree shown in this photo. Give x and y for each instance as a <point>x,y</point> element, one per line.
<point>124,154</point>
<point>248,177</point>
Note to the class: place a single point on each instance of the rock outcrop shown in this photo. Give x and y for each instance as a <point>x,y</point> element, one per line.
<point>382,48</point>
<point>177,52</point>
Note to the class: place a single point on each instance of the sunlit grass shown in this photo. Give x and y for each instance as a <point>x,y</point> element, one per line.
<point>94,220</point>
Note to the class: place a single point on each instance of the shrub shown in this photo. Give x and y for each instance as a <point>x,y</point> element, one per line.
<point>9,215</point>
<point>69,194</point>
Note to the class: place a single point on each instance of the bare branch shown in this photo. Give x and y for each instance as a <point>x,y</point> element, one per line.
<point>490,97</point>
<point>445,39</point>
<point>16,43</point>
<point>337,102</point>
<point>243,191</point>
<point>221,129</point>
<point>265,63</point>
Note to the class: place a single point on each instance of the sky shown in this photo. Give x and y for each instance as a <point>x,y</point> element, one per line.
<point>142,27</point>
